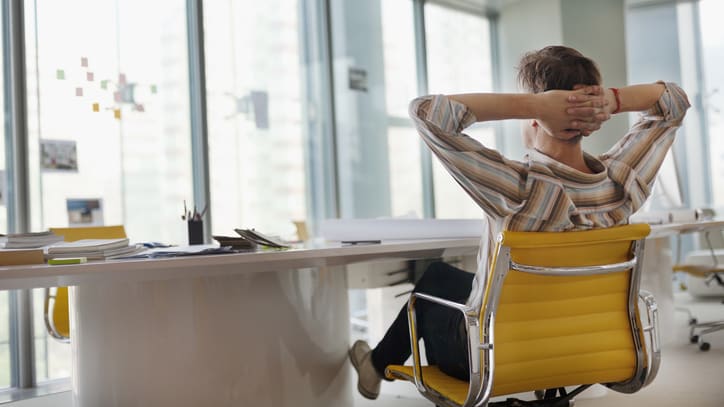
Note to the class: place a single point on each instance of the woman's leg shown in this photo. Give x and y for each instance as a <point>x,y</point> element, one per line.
<point>435,322</point>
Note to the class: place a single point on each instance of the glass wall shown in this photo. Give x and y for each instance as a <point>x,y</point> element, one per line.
<point>459,61</point>
<point>256,128</point>
<point>108,115</point>
<point>398,36</point>
<point>712,38</point>
<point>109,139</point>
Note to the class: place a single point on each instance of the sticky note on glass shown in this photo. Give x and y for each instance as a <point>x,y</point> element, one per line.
<point>104,84</point>
<point>84,61</point>
<point>89,76</point>
<point>79,91</point>
<point>154,89</point>
<point>59,74</point>
<point>122,79</point>
<point>96,107</point>
<point>117,113</point>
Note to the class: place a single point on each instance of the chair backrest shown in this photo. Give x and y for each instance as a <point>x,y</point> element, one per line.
<point>56,312</point>
<point>557,316</point>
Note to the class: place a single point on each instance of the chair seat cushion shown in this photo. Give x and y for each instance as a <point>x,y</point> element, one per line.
<point>447,386</point>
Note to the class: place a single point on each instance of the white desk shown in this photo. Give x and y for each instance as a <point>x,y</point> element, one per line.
<point>257,329</point>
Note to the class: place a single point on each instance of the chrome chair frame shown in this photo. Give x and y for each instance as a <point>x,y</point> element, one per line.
<point>482,365</point>
<point>49,325</point>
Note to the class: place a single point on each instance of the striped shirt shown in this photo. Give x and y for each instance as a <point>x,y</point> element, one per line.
<point>540,193</point>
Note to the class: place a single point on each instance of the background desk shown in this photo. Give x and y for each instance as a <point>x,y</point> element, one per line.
<point>657,267</point>
<point>256,329</point>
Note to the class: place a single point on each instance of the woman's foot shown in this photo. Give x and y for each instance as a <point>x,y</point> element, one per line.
<point>368,381</point>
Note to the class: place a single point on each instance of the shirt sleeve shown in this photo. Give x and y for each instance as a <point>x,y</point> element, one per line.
<point>495,183</point>
<point>635,160</point>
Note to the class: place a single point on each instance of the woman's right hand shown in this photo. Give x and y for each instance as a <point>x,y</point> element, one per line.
<point>568,114</point>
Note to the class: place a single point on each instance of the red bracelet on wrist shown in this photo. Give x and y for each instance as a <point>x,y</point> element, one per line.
<point>618,100</point>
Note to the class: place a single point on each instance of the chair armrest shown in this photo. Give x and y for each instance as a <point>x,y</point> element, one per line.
<point>652,329</point>
<point>467,312</point>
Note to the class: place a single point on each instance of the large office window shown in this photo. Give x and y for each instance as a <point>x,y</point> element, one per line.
<point>108,115</point>
<point>398,36</point>
<point>109,139</point>
<point>459,61</point>
<point>712,38</point>
<point>255,122</point>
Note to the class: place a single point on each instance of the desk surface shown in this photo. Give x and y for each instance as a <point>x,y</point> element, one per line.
<point>42,275</point>
<point>670,229</point>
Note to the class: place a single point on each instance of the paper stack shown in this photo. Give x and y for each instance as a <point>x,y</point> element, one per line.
<point>236,243</point>
<point>31,240</point>
<point>93,249</point>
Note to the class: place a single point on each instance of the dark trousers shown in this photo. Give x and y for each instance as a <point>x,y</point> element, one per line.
<point>439,327</point>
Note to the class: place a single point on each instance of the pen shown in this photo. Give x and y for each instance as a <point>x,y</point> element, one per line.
<point>353,242</point>
<point>183,217</point>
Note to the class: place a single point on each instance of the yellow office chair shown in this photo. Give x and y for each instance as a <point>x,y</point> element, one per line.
<point>559,309</point>
<point>55,306</point>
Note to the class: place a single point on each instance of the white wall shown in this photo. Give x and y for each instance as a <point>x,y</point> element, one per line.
<point>594,27</point>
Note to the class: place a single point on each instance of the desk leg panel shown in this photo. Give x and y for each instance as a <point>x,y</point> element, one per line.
<point>262,339</point>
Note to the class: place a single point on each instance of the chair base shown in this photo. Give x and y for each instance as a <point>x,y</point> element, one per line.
<point>548,398</point>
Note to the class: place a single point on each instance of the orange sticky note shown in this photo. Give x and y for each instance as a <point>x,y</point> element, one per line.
<point>117,113</point>
<point>96,107</point>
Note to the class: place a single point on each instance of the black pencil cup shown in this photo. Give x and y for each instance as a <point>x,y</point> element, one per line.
<point>196,231</point>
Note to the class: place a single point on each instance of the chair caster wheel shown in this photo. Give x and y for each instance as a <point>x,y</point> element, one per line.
<point>694,338</point>
<point>704,346</point>
<point>539,394</point>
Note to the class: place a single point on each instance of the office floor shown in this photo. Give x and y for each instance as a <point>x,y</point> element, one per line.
<point>688,377</point>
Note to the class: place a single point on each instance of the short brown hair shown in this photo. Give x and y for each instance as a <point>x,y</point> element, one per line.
<point>556,67</point>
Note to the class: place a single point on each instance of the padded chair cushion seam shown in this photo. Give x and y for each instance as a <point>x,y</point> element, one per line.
<point>504,300</point>
<point>498,364</point>
<point>559,317</point>
<point>518,342</point>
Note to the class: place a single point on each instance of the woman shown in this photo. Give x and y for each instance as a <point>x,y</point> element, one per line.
<point>556,187</point>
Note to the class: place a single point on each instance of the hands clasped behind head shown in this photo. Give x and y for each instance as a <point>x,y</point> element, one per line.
<point>572,113</point>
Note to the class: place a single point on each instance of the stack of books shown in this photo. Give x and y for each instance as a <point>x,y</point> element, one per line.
<point>93,249</point>
<point>31,240</point>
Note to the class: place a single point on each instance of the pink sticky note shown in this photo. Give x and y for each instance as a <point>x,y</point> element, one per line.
<point>79,91</point>
<point>84,62</point>
<point>89,76</point>
<point>122,79</point>
<point>117,96</point>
